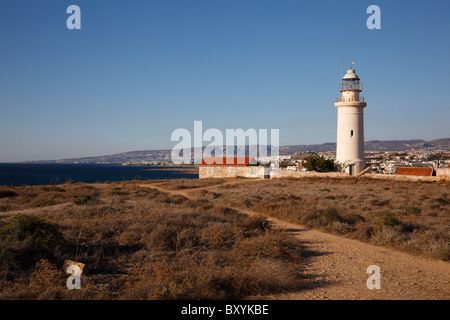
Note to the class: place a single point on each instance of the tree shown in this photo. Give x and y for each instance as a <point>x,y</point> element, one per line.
<point>314,162</point>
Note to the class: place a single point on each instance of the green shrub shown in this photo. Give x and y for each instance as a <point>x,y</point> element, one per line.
<point>25,240</point>
<point>85,199</point>
<point>413,210</point>
<point>118,193</point>
<point>386,218</point>
<point>255,223</point>
<point>314,162</point>
<point>7,194</point>
<point>379,203</point>
<point>173,198</point>
<point>387,235</point>
<point>331,214</point>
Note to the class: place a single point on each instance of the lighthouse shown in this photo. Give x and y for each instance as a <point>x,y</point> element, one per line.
<point>350,125</point>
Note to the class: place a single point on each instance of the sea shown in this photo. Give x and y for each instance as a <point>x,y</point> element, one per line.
<point>19,174</point>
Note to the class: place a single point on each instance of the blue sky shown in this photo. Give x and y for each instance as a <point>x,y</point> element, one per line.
<point>137,70</point>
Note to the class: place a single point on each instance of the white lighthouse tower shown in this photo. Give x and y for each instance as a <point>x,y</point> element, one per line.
<point>350,127</point>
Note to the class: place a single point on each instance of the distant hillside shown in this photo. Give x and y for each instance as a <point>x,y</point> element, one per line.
<point>375,145</point>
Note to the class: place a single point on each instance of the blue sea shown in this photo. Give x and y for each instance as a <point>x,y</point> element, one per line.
<point>12,174</point>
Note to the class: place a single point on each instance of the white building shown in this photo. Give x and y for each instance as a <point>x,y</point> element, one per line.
<point>350,127</point>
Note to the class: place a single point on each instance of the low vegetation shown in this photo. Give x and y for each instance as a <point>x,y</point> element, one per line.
<point>315,162</point>
<point>138,243</point>
<point>411,216</point>
<point>180,184</point>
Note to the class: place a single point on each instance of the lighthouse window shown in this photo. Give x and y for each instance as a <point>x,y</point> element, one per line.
<point>351,133</point>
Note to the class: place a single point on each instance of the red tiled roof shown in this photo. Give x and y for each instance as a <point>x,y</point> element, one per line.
<point>415,171</point>
<point>225,161</point>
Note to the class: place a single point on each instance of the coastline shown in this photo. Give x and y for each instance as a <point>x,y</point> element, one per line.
<point>13,174</point>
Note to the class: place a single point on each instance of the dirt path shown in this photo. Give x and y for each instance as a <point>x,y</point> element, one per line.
<point>336,266</point>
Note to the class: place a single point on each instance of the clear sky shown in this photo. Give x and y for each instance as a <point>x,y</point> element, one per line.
<point>137,70</point>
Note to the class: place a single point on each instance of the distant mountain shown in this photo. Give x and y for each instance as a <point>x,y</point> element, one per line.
<point>439,145</point>
<point>377,146</point>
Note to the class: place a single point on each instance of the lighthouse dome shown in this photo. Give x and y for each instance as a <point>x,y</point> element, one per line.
<point>351,75</point>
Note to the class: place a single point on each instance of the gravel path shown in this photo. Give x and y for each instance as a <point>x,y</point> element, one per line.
<point>336,267</point>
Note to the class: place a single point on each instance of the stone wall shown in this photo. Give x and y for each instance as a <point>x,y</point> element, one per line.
<point>256,172</point>
<point>307,174</point>
<point>260,172</point>
<point>399,177</point>
<point>443,173</point>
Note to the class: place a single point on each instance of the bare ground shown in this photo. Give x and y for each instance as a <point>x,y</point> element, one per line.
<point>336,266</point>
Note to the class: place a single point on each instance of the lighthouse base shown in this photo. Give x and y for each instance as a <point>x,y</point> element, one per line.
<point>353,167</point>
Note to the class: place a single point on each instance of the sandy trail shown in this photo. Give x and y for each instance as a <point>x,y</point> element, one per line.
<point>336,267</point>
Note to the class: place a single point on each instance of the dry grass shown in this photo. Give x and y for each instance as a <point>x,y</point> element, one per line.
<point>413,216</point>
<point>138,243</point>
<point>180,184</point>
